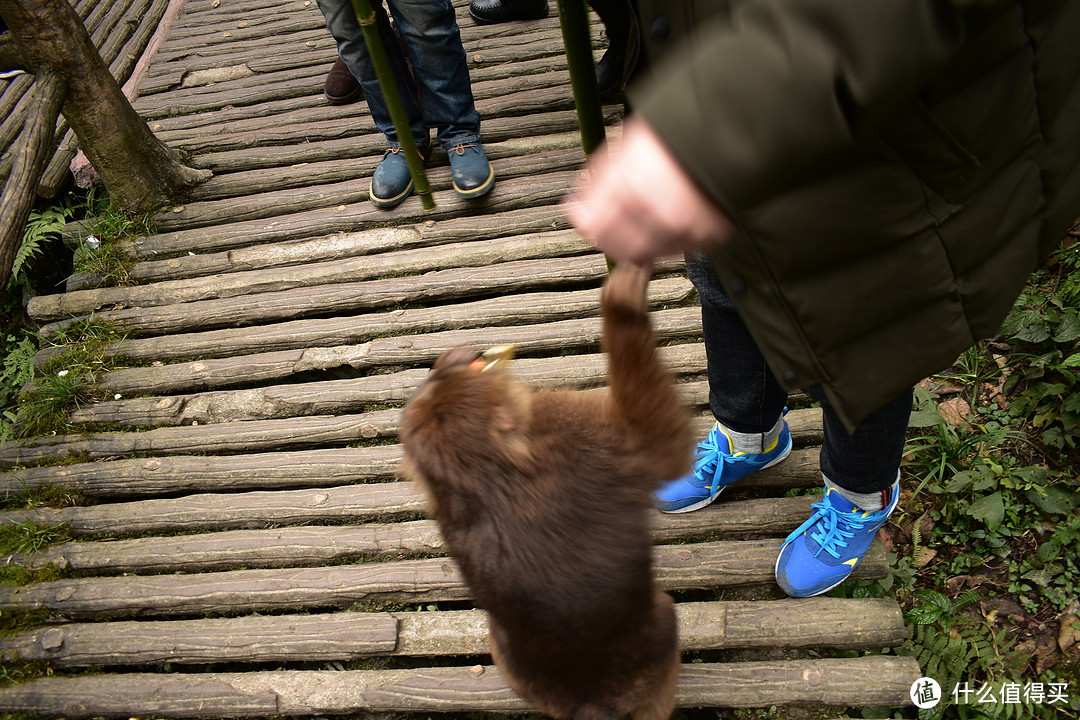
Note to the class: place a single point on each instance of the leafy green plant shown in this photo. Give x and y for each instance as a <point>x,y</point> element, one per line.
<point>28,537</point>
<point>42,227</point>
<point>16,371</point>
<point>66,380</point>
<point>102,242</point>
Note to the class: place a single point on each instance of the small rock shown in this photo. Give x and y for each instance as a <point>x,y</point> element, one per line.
<point>476,670</point>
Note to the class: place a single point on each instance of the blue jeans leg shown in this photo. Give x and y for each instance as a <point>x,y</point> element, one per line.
<point>343,26</point>
<point>745,396</point>
<point>430,32</point>
<point>441,97</point>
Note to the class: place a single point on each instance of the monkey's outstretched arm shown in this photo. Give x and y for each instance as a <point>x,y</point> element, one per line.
<point>641,389</point>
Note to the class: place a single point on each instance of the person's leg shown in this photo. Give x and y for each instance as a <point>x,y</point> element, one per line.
<point>342,23</point>
<point>861,472</point>
<point>745,398</point>
<point>619,60</point>
<point>430,32</point>
<point>391,182</point>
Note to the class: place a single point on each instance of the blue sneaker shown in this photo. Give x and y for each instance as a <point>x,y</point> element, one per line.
<point>716,467</point>
<point>473,174</point>
<point>825,549</point>
<point>392,182</point>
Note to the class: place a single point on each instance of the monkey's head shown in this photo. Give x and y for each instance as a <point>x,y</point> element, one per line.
<point>467,415</point>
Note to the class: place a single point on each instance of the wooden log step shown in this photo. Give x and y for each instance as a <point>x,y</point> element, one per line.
<point>227,33</point>
<point>340,246</point>
<point>280,114</point>
<point>525,308</point>
<point>329,467</point>
<point>497,129</point>
<point>302,82</point>
<point>335,544</point>
<point>198,439</point>
<point>821,622</point>
<point>559,243</point>
<point>184,474</point>
<point>173,70</point>
<point>438,285</point>
<point>514,194</point>
<point>873,680</point>
<point>520,161</point>
<point>256,509</point>
<point>370,501</point>
<point>542,88</point>
<point>214,119</point>
<point>255,183</point>
<point>723,563</point>
<point>578,371</point>
<point>274,435</point>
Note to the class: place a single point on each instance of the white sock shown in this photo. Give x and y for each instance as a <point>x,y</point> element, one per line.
<point>754,443</point>
<point>867,502</point>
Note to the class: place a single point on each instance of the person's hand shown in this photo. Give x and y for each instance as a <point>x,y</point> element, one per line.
<point>639,204</point>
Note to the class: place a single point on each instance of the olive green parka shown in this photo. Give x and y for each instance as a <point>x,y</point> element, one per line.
<point>895,168</point>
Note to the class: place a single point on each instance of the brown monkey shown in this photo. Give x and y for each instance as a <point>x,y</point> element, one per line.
<point>544,499</point>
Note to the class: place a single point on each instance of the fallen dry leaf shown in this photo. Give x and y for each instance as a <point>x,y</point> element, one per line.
<point>955,412</point>
<point>1068,635</point>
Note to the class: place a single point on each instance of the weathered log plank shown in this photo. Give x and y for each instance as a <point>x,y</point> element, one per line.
<point>677,567</point>
<point>255,509</point>
<point>182,474</point>
<point>327,545</point>
<point>812,622</point>
<point>330,332</point>
<point>172,71</point>
<point>559,243</point>
<point>256,435</point>
<point>348,245</point>
<point>514,194</point>
<point>353,190</point>
<point>548,122</point>
<point>444,285</point>
<point>225,438</point>
<point>329,467</point>
<point>874,680</point>
<point>217,509</point>
<point>323,397</point>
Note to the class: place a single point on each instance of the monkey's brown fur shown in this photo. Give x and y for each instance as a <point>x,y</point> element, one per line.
<point>543,498</point>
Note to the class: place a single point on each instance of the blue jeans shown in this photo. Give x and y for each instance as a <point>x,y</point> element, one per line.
<point>745,396</point>
<point>441,97</point>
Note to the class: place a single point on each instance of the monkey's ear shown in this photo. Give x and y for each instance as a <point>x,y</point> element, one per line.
<point>454,357</point>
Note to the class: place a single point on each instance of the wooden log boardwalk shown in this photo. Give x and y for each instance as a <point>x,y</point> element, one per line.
<point>236,539</point>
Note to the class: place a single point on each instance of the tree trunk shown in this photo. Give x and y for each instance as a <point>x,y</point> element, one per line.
<point>31,153</point>
<point>140,172</point>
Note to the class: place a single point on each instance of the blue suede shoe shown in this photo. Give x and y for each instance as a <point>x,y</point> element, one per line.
<point>716,467</point>
<point>392,182</point>
<point>824,550</point>
<point>473,174</point>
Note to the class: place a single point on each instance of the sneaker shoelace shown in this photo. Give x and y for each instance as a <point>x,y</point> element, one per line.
<point>708,455</point>
<point>460,149</point>
<point>832,528</point>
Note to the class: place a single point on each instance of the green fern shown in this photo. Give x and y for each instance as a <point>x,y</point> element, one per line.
<point>42,226</point>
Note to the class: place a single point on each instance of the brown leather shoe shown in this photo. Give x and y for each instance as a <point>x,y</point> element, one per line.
<point>341,87</point>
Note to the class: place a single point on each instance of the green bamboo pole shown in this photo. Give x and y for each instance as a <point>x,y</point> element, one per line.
<point>365,15</point>
<point>574,21</point>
